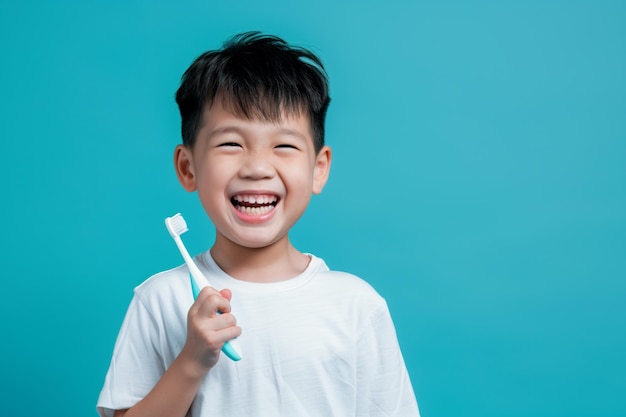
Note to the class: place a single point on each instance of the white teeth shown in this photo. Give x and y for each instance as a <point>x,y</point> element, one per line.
<point>255,211</point>
<point>254,204</point>
<point>255,199</point>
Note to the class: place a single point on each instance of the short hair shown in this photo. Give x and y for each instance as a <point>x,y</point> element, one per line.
<point>258,77</point>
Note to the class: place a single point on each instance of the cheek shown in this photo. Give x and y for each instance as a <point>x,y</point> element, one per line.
<point>214,173</point>
<point>301,172</point>
<point>211,186</point>
<point>300,184</point>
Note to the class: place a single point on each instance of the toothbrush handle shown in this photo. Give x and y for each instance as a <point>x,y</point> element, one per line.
<point>228,348</point>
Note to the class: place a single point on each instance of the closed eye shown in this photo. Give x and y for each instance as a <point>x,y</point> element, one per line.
<point>227,144</point>
<point>286,146</point>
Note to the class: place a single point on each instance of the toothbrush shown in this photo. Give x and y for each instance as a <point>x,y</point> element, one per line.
<point>177,225</point>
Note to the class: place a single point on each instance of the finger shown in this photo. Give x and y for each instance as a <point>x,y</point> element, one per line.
<point>210,328</point>
<point>215,331</point>
<point>226,293</point>
<point>209,305</point>
<point>200,299</point>
<point>206,291</point>
<point>231,333</point>
<point>220,322</point>
<point>224,335</point>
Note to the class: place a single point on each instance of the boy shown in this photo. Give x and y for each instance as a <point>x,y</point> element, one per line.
<point>316,342</point>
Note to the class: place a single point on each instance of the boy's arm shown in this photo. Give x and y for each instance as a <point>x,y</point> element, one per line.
<point>206,334</point>
<point>172,395</point>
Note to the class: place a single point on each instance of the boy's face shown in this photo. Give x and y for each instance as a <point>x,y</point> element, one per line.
<point>254,178</point>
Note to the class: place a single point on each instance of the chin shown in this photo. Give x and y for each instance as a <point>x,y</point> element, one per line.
<point>255,243</point>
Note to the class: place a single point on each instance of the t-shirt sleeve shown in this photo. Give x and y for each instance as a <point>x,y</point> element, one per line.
<point>136,365</point>
<point>383,384</point>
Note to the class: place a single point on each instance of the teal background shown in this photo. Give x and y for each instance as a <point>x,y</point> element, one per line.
<point>479,183</point>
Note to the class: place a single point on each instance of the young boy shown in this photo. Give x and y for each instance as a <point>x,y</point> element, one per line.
<point>315,342</point>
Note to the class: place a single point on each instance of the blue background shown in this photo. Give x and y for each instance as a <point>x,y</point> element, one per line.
<point>479,183</point>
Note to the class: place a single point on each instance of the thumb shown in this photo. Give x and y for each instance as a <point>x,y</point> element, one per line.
<point>227,294</point>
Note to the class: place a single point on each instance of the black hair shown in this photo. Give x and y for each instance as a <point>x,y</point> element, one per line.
<point>258,77</point>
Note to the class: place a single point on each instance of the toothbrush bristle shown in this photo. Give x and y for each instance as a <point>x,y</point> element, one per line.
<point>177,224</point>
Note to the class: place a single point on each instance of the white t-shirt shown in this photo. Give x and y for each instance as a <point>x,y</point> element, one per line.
<point>320,344</point>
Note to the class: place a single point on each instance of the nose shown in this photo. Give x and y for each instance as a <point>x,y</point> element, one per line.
<point>257,166</point>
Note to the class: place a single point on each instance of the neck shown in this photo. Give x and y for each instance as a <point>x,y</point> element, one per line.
<point>276,262</point>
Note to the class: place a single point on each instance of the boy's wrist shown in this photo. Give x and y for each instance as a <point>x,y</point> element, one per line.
<point>190,368</point>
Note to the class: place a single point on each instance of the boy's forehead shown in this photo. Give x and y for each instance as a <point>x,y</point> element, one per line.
<point>224,111</point>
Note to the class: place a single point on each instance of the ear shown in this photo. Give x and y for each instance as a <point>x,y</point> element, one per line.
<point>183,162</point>
<point>322,169</point>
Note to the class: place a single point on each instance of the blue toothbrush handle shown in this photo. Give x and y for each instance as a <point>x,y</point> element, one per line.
<point>228,349</point>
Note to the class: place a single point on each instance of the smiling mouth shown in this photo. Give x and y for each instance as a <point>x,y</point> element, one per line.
<point>254,205</point>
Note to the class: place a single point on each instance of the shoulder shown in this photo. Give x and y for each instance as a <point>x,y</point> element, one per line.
<point>346,280</point>
<point>165,288</point>
<point>350,287</point>
<point>351,299</point>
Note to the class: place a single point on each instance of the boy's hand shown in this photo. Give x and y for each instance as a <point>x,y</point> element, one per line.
<point>207,330</point>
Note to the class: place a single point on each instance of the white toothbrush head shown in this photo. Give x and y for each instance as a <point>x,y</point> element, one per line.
<point>176,225</point>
